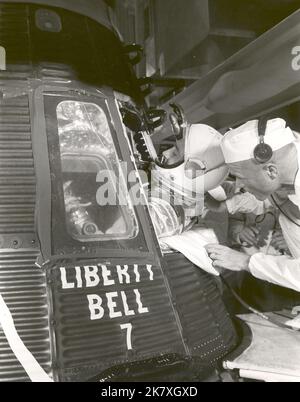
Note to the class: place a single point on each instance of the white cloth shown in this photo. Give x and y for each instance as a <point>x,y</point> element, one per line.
<point>191,245</point>
<point>218,194</point>
<point>239,144</point>
<point>283,270</point>
<point>273,355</point>
<point>295,323</point>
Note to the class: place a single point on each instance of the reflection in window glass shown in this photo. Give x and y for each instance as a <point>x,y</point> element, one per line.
<point>87,148</point>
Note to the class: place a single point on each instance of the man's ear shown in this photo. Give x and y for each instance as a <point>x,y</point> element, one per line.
<point>271,170</point>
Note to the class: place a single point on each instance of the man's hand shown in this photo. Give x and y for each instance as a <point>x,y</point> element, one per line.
<point>248,236</point>
<point>278,242</point>
<point>225,257</point>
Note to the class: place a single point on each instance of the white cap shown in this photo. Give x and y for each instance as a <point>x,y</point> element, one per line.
<point>238,145</point>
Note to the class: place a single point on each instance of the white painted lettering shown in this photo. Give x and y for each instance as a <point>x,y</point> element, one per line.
<point>149,269</point>
<point>78,277</point>
<point>106,273</point>
<point>125,304</point>
<point>95,306</point>
<point>123,273</point>
<point>136,272</point>
<point>141,309</point>
<point>91,276</point>
<point>111,304</point>
<point>64,282</point>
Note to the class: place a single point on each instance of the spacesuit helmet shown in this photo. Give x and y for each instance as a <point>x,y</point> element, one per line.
<point>202,169</point>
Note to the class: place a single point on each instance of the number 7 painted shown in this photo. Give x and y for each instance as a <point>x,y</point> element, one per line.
<point>128,328</point>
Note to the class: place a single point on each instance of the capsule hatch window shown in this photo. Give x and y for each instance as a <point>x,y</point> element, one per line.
<point>87,151</point>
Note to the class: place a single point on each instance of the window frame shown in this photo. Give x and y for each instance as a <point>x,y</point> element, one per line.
<point>150,251</point>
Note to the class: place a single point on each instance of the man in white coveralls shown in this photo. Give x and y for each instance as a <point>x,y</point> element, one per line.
<point>278,179</point>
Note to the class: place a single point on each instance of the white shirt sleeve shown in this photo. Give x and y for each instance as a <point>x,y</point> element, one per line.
<point>245,203</point>
<point>280,270</point>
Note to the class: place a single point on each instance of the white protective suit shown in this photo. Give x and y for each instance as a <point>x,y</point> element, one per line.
<point>281,270</point>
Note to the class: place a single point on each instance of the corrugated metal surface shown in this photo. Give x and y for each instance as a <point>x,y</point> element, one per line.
<point>17,177</point>
<point>87,347</point>
<point>207,327</point>
<point>22,286</point>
